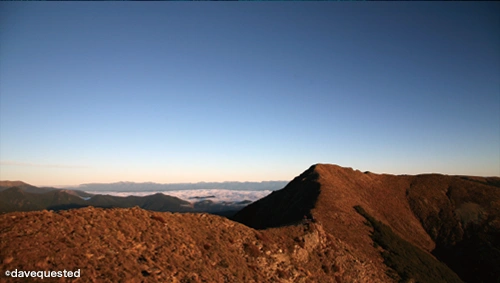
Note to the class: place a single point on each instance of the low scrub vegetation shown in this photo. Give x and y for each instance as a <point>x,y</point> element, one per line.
<point>411,263</point>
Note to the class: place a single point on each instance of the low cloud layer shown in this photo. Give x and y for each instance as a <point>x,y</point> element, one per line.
<point>194,195</point>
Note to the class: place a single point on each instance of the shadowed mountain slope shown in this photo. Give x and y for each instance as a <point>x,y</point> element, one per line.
<point>284,207</point>
<point>462,216</point>
<point>17,199</point>
<point>455,217</point>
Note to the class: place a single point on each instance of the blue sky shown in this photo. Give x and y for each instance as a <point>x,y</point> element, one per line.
<point>187,92</point>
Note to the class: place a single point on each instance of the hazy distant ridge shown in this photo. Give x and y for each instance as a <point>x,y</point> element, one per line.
<point>149,186</point>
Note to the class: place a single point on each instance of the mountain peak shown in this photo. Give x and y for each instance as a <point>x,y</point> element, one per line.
<point>429,211</point>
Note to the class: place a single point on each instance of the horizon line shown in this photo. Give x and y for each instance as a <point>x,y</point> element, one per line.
<point>147,182</point>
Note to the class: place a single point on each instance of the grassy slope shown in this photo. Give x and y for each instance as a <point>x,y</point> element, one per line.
<point>410,262</point>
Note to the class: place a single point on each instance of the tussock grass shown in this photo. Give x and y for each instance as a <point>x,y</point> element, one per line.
<point>411,263</point>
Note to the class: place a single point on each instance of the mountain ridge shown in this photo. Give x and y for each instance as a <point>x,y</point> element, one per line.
<point>425,210</point>
<point>30,198</point>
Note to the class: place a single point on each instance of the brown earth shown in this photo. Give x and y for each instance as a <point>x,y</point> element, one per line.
<point>136,245</point>
<point>452,217</point>
<point>449,217</point>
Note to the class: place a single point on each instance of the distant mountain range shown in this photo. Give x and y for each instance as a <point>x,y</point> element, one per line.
<point>20,196</point>
<point>149,186</point>
<point>24,187</point>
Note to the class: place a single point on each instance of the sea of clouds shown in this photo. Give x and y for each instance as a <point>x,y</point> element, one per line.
<point>216,195</point>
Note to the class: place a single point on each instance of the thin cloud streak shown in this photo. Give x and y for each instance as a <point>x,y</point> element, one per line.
<point>29,164</point>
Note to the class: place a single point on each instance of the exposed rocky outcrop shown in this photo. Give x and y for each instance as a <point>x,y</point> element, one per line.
<point>135,245</point>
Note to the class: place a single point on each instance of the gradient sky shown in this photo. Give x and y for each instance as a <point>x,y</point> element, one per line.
<point>187,92</point>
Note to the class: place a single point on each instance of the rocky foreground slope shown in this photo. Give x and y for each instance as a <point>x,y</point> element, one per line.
<point>135,245</point>
<point>330,224</point>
